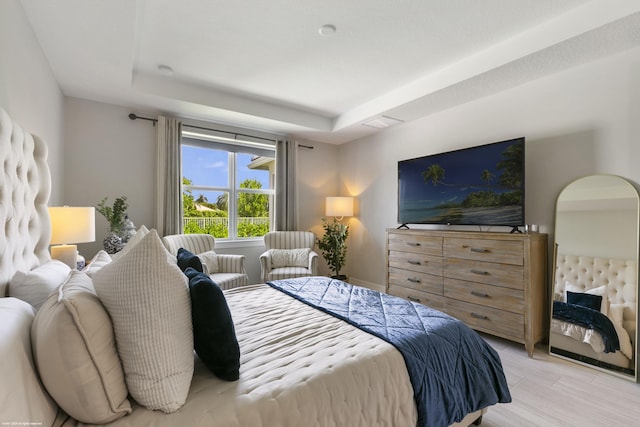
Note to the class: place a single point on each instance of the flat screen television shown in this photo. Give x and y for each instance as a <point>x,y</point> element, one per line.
<point>481,185</point>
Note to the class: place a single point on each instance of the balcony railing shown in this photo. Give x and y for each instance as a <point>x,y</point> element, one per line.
<point>204,222</point>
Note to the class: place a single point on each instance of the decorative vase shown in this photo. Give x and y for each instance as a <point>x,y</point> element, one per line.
<point>112,243</point>
<point>128,229</point>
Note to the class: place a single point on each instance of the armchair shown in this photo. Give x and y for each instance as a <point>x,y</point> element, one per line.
<point>229,271</point>
<point>288,254</point>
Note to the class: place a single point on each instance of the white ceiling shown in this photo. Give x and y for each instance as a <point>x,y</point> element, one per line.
<point>264,65</point>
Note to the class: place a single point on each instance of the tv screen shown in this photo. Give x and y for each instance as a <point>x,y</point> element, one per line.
<point>482,185</point>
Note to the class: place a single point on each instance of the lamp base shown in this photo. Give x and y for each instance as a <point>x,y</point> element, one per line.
<point>66,253</point>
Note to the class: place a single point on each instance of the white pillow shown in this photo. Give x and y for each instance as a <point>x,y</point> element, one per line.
<point>289,257</point>
<point>23,398</point>
<point>75,352</point>
<point>616,312</point>
<point>600,290</point>
<point>35,286</point>
<point>140,234</point>
<point>99,260</point>
<point>147,297</point>
<point>209,262</point>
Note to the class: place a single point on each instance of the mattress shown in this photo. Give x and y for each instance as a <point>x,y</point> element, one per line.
<point>299,366</point>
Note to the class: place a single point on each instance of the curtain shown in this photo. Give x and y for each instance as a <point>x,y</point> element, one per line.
<point>168,177</point>
<point>286,185</point>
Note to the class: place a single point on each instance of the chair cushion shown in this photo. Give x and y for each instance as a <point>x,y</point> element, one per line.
<point>147,296</point>
<point>75,352</point>
<point>214,335</point>
<point>289,257</point>
<point>209,261</point>
<point>229,280</point>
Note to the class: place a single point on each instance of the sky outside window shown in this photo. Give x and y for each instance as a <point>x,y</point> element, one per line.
<point>209,167</point>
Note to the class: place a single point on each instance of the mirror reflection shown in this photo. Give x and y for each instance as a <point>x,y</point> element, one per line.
<point>595,274</point>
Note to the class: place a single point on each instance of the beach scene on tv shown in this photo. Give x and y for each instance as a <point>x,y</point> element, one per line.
<point>481,185</point>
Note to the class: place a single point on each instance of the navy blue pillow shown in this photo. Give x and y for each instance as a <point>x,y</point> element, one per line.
<point>586,300</point>
<point>214,335</point>
<point>187,259</point>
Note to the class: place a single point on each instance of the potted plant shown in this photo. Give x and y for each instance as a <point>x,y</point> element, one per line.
<point>334,245</point>
<point>115,216</point>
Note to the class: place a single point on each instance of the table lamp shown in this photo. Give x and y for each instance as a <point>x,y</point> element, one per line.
<point>70,225</point>
<point>339,207</point>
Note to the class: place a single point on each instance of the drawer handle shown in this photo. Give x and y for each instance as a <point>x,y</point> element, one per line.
<point>413,243</point>
<point>480,250</point>
<point>479,316</point>
<point>414,280</point>
<point>414,262</point>
<point>410,298</point>
<point>480,272</point>
<point>480,294</point>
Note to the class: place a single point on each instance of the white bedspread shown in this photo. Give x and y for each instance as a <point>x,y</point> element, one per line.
<point>299,367</point>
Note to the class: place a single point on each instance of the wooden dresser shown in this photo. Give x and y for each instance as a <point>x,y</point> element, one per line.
<point>494,282</point>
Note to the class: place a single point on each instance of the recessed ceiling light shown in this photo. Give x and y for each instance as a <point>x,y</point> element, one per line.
<point>165,69</point>
<point>327,30</point>
<point>381,122</point>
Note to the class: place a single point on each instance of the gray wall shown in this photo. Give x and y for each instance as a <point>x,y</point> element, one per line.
<point>28,90</point>
<point>579,122</point>
<point>109,155</point>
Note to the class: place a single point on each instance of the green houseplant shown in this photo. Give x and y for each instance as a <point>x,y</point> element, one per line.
<point>115,216</point>
<point>334,245</point>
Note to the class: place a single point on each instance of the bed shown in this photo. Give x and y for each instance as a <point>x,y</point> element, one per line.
<point>114,345</point>
<point>614,280</point>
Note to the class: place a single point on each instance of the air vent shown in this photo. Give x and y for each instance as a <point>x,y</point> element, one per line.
<point>381,122</point>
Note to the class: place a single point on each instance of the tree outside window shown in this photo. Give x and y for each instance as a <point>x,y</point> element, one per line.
<point>213,175</point>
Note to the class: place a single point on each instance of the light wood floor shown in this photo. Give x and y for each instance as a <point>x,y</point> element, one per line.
<point>548,391</point>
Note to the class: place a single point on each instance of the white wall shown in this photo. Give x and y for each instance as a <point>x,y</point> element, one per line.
<point>579,122</point>
<point>109,155</point>
<point>28,90</point>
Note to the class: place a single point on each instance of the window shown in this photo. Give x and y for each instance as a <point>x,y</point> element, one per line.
<point>227,187</point>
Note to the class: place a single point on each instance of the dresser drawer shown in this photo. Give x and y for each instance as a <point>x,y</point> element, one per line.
<point>502,251</point>
<point>425,298</point>
<point>495,282</point>
<point>510,276</point>
<point>488,295</point>
<point>487,319</point>
<point>427,245</point>
<point>416,262</point>
<point>415,280</point>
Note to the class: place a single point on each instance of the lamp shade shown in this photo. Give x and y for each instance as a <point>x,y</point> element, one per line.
<point>339,206</point>
<point>72,224</point>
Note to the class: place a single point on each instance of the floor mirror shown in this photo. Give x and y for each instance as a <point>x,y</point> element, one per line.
<point>595,275</point>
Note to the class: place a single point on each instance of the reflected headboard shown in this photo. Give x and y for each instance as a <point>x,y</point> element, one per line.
<point>619,275</point>
<point>25,186</point>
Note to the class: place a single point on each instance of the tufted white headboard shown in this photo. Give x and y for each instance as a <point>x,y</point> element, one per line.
<point>619,275</point>
<point>25,186</point>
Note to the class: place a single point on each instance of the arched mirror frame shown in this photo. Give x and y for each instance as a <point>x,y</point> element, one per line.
<point>596,244</point>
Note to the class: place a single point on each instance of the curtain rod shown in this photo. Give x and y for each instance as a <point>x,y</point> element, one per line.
<point>241,134</point>
<point>230,133</point>
<point>133,116</point>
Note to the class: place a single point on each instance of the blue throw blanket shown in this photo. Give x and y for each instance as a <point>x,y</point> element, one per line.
<point>591,319</point>
<point>453,371</point>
